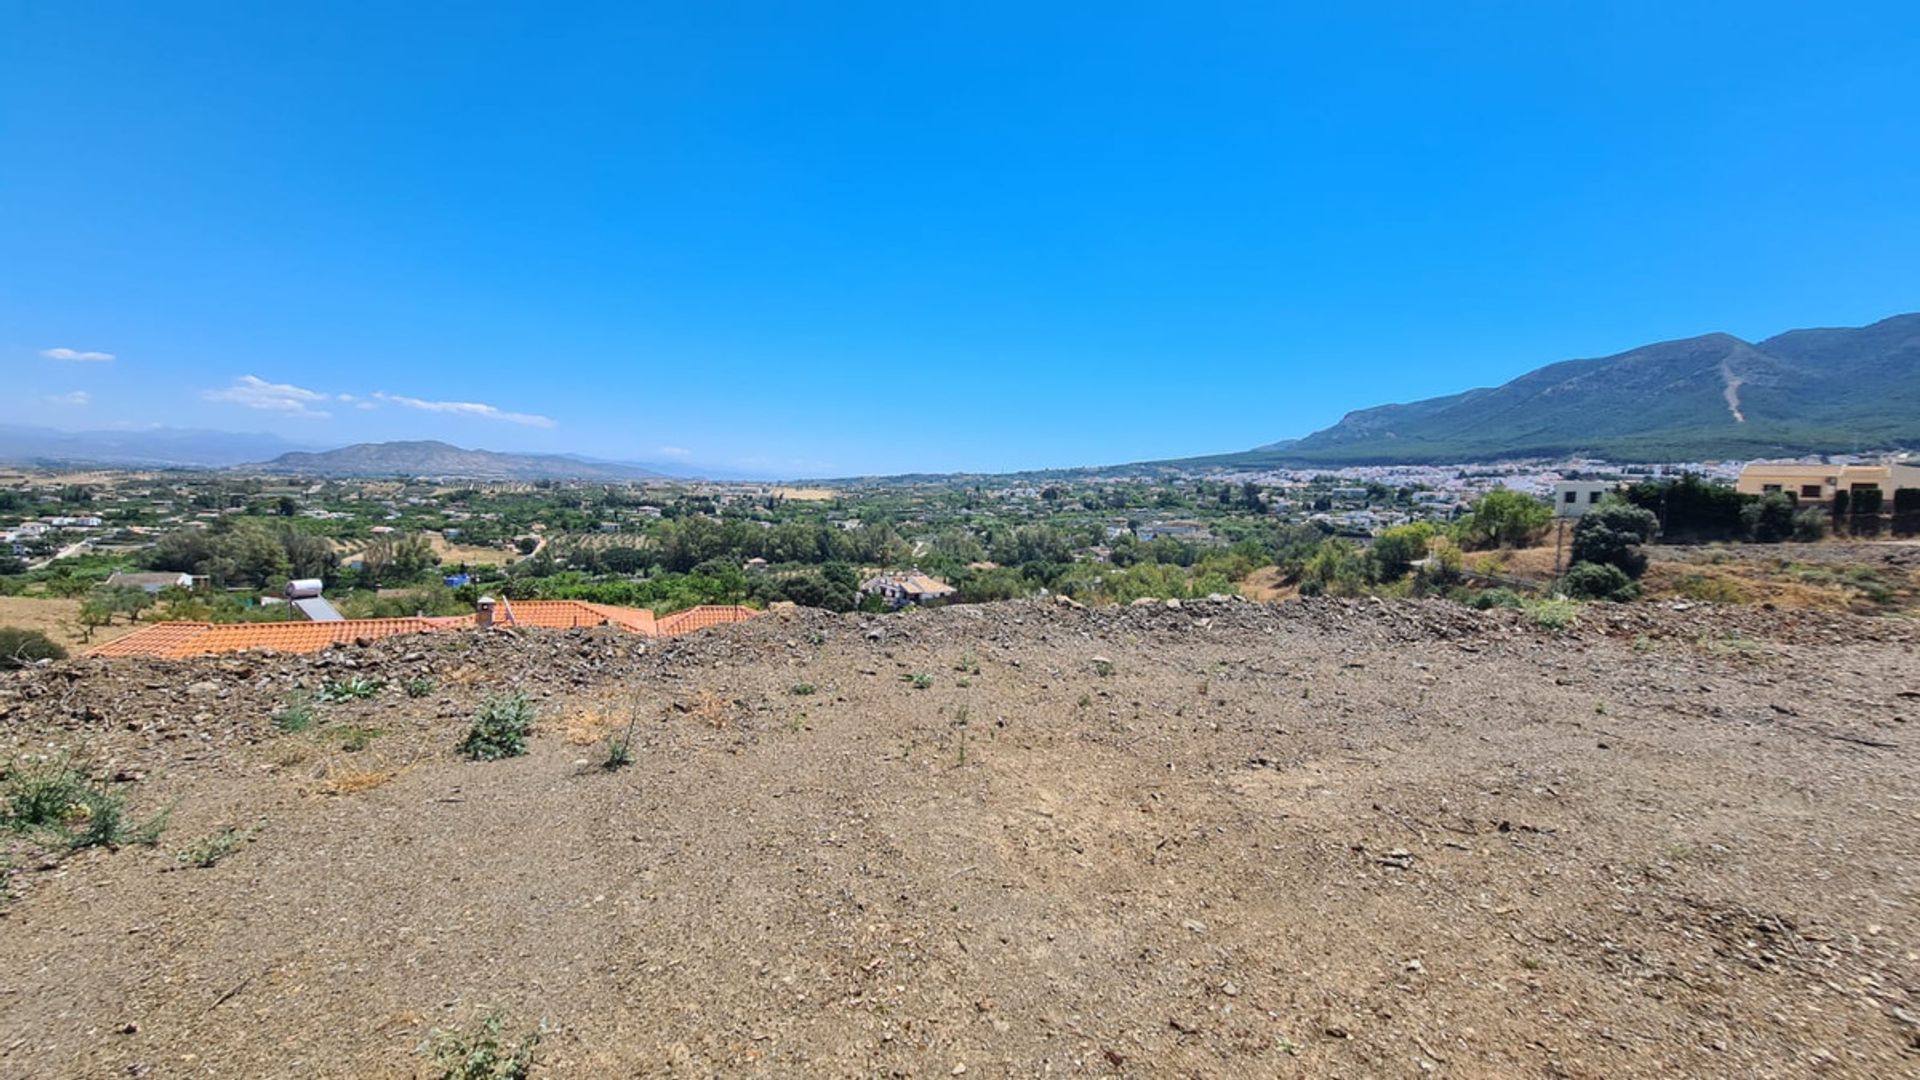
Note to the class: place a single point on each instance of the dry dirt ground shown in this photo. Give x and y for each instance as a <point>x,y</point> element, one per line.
<point>59,619</point>
<point>1319,838</point>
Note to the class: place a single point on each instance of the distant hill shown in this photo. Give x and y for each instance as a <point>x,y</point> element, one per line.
<point>430,458</point>
<point>22,444</point>
<point>1709,397</point>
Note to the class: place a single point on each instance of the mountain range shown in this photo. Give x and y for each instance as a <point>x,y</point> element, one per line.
<point>430,458</point>
<point>1701,398</point>
<point>157,446</point>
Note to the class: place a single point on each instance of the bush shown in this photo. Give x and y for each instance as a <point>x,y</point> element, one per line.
<point>1611,535</point>
<point>501,728</point>
<point>1810,526</point>
<point>18,648</point>
<point>1557,614</point>
<point>1769,519</point>
<point>1496,598</point>
<point>1599,581</point>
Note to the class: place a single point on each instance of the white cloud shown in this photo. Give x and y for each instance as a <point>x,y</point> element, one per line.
<point>75,355</point>
<point>75,398</point>
<point>257,393</point>
<point>467,408</point>
<point>675,452</point>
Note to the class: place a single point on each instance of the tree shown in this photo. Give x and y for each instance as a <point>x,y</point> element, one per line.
<point>1611,534</point>
<point>1396,550</point>
<point>1692,509</point>
<point>1769,518</point>
<point>95,611</point>
<point>388,558</point>
<point>1503,518</point>
<point>1336,568</point>
<point>624,560</point>
<point>1906,511</point>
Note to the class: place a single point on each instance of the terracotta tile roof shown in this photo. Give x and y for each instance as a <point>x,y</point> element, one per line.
<point>296,636</point>
<point>177,640</point>
<point>566,614</point>
<point>699,618</point>
<point>160,639</point>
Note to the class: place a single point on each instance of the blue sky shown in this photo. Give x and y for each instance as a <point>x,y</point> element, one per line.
<point>832,239</point>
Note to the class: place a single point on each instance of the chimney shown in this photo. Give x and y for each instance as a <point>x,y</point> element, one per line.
<point>483,612</point>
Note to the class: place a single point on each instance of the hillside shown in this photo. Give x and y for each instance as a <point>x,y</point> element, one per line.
<point>160,446</point>
<point>428,458</point>
<point>1322,838</point>
<point>1715,396</point>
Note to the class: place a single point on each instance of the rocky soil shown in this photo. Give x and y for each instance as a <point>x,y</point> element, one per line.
<point>1319,838</point>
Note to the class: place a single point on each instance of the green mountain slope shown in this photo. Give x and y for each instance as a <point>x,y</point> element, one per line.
<point>1716,396</point>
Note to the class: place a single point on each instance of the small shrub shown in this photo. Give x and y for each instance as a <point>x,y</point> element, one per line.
<point>1102,666</point>
<point>1599,581</point>
<point>419,688</point>
<point>1496,598</point>
<point>500,729</point>
<point>969,663</point>
<point>619,749</point>
<point>18,648</point>
<point>1557,614</point>
<point>349,690</point>
<point>802,689</point>
<point>919,680</point>
<point>483,1055</point>
<point>297,716</point>
<point>208,850</point>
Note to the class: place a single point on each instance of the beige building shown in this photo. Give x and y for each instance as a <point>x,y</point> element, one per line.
<point>1817,483</point>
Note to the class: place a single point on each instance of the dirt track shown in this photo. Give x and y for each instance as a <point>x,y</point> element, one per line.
<point>1318,839</point>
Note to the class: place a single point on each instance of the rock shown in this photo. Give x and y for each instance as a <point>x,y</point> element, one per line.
<point>201,689</point>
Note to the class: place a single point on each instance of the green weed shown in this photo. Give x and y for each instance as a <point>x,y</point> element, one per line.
<point>208,850</point>
<point>483,1055</point>
<point>333,693</point>
<point>500,729</point>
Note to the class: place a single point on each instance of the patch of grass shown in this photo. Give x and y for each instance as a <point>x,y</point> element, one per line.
<point>419,688</point>
<point>52,799</point>
<point>484,1054</point>
<point>296,716</point>
<point>802,689</point>
<point>357,737</point>
<point>969,663</point>
<point>619,748</point>
<point>208,850</point>
<point>333,693</point>
<point>1557,614</point>
<point>1712,589</point>
<point>500,729</point>
<point>1728,645</point>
